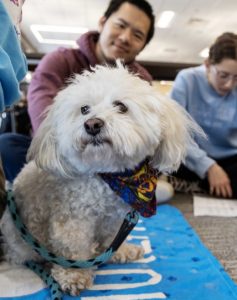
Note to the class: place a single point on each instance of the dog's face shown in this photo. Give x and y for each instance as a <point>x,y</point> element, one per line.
<point>108,121</point>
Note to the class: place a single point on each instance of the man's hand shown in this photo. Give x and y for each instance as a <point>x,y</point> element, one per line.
<point>219,182</point>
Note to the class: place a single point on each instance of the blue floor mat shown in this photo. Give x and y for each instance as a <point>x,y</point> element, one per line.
<point>177,266</point>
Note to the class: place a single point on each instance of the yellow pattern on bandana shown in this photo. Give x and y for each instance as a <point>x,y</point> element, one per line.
<point>136,187</point>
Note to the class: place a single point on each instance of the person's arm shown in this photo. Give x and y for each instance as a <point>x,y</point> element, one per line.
<point>49,77</point>
<point>219,181</point>
<point>13,65</point>
<point>197,159</point>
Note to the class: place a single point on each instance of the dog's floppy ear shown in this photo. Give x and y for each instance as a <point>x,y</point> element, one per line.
<point>44,149</point>
<point>177,135</point>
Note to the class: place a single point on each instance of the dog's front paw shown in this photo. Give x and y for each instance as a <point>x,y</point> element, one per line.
<point>73,281</point>
<point>127,252</point>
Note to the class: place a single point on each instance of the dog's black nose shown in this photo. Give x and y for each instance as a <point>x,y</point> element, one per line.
<point>93,126</point>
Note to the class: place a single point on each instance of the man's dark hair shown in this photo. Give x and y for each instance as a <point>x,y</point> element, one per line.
<point>143,5</point>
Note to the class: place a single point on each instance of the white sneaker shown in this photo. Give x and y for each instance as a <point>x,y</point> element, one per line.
<point>164,191</point>
<point>8,185</point>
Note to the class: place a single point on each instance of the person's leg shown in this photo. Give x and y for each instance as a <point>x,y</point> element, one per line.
<point>13,150</point>
<point>228,164</point>
<point>2,190</point>
<point>187,181</point>
<point>183,180</point>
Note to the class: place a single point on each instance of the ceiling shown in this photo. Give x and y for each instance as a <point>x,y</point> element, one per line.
<point>195,26</point>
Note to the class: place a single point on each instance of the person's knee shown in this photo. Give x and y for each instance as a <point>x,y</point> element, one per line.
<point>6,145</point>
<point>13,150</point>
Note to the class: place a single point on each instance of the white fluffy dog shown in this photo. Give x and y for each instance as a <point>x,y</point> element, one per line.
<point>104,121</point>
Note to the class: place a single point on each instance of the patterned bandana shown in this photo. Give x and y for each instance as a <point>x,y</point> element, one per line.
<point>137,187</point>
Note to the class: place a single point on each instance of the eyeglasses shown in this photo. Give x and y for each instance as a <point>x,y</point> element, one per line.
<point>224,76</point>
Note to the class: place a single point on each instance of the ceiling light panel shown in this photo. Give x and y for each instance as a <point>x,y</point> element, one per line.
<point>51,34</point>
<point>165,19</point>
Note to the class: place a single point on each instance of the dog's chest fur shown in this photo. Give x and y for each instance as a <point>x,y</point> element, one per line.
<point>69,216</point>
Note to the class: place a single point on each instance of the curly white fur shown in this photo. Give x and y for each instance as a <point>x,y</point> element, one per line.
<point>62,200</point>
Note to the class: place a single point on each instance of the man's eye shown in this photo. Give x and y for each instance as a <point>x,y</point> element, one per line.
<point>85,109</point>
<point>138,36</point>
<point>120,25</point>
<point>122,107</point>
<point>224,75</point>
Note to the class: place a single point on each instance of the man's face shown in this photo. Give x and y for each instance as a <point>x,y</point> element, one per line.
<point>123,35</point>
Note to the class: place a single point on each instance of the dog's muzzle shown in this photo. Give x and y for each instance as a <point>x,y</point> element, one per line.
<point>93,126</point>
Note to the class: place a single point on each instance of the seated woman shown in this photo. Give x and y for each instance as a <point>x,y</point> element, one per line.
<point>209,93</point>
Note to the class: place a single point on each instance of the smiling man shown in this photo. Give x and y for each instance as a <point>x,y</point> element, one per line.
<point>124,30</point>
<point>124,33</point>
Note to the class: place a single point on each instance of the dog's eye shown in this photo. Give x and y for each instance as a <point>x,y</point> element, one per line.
<point>122,107</point>
<point>85,109</point>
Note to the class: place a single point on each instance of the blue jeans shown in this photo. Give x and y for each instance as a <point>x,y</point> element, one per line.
<point>13,150</point>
